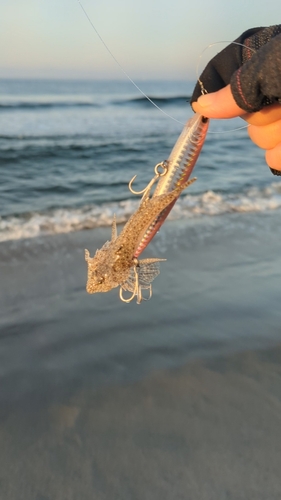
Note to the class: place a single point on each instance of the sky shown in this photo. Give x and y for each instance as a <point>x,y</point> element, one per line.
<point>151,39</point>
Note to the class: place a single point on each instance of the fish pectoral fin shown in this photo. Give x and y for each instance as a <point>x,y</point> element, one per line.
<point>151,261</point>
<point>142,274</point>
<point>148,270</point>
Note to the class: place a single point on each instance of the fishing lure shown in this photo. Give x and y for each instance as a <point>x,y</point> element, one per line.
<point>175,171</point>
<point>116,263</point>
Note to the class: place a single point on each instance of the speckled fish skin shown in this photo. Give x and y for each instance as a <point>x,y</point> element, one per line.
<point>111,265</point>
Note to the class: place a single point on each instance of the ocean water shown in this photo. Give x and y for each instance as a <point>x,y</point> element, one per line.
<point>69,148</point>
<point>105,400</point>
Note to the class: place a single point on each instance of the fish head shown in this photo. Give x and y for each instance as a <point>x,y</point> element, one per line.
<point>100,276</point>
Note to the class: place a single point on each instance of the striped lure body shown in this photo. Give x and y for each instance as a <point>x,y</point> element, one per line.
<point>178,167</point>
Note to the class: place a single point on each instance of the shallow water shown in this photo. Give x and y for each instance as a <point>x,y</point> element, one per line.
<point>217,292</point>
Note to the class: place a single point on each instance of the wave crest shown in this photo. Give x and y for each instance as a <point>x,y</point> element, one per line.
<point>66,220</point>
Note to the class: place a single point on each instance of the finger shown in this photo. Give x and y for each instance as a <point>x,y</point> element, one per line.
<point>273,157</point>
<point>267,136</point>
<point>267,115</point>
<point>219,104</point>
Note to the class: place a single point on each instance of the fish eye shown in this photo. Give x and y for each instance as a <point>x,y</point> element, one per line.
<point>101,280</point>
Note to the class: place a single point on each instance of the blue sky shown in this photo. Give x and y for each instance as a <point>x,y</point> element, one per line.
<point>152,39</point>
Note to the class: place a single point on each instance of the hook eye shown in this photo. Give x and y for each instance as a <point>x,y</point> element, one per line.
<point>164,165</point>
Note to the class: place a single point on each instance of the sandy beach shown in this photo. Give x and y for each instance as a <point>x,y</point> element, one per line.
<point>177,398</point>
<point>210,430</point>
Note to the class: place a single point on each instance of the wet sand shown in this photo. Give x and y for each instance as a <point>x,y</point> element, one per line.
<point>210,430</point>
<point>179,397</point>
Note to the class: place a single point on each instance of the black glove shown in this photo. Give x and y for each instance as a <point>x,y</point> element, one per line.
<point>253,71</point>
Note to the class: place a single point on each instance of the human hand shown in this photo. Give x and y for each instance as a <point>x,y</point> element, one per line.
<point>246,81</point>
<point>264,126</point>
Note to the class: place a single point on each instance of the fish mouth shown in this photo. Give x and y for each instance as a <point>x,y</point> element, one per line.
<point>94,286</point>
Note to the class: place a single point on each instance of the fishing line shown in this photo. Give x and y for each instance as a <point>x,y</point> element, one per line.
<point>204,91</point>
<point>122,69</point>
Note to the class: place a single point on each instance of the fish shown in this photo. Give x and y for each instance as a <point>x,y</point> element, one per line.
<point>115,263</point>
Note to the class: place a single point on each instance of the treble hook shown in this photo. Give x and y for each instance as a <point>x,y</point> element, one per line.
<point>136,288</point>
<point>158,174</point>
<point>143,191</point>
<point>137,292</point>
<point>123,298</point>
<point>140,296</point>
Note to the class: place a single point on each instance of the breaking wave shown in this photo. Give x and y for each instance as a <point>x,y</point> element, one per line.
<point>66,220</point>
<point>88,102</point>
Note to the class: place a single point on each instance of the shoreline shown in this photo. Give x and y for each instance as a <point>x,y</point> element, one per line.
<point>217,293</point>
<point>178,397</point>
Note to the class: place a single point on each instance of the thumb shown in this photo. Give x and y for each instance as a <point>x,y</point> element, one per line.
<point>220,104</point>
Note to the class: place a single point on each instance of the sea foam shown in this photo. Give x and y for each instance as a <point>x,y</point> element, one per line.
<point>66,220</point>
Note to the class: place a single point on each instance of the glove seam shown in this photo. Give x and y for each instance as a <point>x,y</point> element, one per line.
<point>240,92</point>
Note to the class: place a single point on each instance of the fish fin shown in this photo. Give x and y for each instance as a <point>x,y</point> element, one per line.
<point>114,229</point>
<point>147,270</point>
<point>150,261</point>
<point>183,186</point>
<point>87,255</point>
<point>166,198</point>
